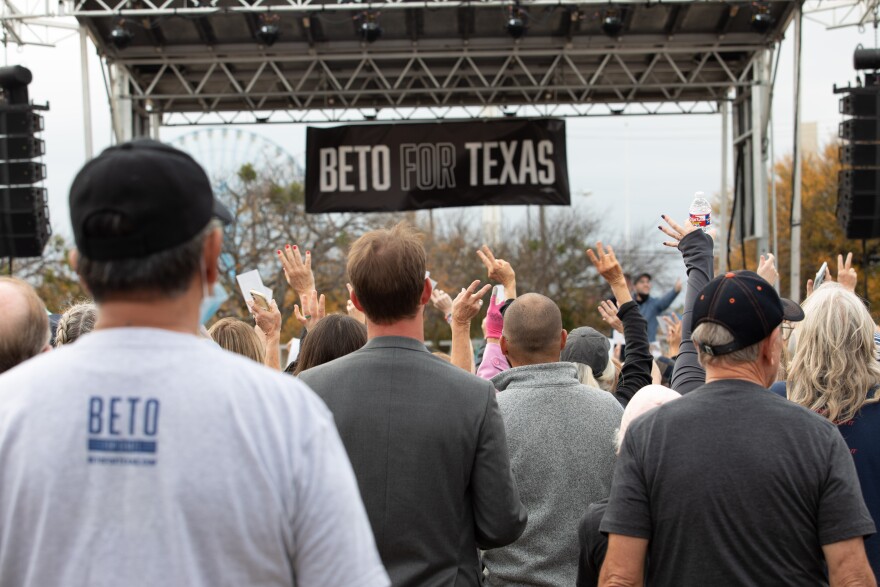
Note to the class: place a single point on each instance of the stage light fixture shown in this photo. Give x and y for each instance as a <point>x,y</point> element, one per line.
<point>120,36</point>
<point>369,29</point>
<point>516,22</point>
<point>762,20</point>
<point>612,24</point>
<point>269,30</point>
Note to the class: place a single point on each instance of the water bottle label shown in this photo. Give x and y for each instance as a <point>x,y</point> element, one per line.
<point>701,220</point>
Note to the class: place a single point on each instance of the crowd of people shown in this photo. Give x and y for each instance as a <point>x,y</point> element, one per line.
<point>139,448</point>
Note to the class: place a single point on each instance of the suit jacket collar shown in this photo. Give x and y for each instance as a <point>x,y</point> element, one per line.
<point>399,342</point>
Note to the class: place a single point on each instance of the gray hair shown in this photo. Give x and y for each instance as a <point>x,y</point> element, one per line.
<point>76,321</point>
<point>168,272</point>
<point>715,335</point>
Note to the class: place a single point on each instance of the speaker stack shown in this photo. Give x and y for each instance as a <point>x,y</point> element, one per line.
<point>858,202</point>
<point>24,210</point>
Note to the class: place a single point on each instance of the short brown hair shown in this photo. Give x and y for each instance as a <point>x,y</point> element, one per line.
<point>234,335</point>
<point>332,337</point>
<point>23,334</point>
<point>387,271</point>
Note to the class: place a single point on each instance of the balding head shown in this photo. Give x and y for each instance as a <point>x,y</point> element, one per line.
<point>24,330</point>
<point>532,331</point>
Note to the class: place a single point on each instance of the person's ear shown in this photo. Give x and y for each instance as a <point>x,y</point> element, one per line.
<point>771,353</point>
<point>503,344</point>
<point>73,259</point>
<point>771,347</point>
<point>356,301</point>
<point>213,247</point>
<point>426,292</point>
<point>562,338</point>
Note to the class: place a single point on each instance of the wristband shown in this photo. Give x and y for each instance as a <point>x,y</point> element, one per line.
<point>449,318</point>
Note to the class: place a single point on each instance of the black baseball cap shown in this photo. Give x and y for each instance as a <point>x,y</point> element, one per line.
<point>746,305</point>
<point>163,196</point>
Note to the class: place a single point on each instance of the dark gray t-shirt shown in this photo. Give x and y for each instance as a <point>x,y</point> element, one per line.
<point>735,486</point>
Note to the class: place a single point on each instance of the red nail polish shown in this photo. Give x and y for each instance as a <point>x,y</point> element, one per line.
<point>294,247</point>
<point>308,252</point>
<point>279,251</point>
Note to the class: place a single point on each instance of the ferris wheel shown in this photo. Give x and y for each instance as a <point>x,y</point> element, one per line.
<point>223,151</point>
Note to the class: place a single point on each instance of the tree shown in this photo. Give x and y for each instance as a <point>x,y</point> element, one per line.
<point>269,210</point>
<point>822,238</point>
<point>51,275</point>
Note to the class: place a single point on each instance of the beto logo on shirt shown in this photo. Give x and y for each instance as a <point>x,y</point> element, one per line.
<point>125,427</point>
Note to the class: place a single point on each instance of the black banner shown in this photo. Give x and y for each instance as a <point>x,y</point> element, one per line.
<point>384,167</point>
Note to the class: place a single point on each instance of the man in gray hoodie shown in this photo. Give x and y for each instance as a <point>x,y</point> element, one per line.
<point>560,438</point>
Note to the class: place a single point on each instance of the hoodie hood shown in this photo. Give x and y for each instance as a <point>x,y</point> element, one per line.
<point>541,375</point>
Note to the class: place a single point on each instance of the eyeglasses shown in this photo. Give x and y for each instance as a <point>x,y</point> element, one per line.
<point>787,329</point>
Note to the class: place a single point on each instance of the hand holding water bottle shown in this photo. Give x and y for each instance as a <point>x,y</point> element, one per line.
<point>701,212</point>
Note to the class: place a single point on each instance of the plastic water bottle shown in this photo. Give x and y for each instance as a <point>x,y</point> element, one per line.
<point>701,212</point>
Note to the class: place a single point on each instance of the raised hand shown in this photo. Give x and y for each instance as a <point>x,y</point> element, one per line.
<point>767,269</point>
<point>268,321</point>
<point>673,333</point>
<point>606,264</point>
<point>675,230</point>
<point>297,272</point>
<point>268,329</point>
<point>313,309</point>
<point>442,301</point>
<point>826,276</point>
<point>467,304</point>
<point>846,275</point>
<point>499,270</point>
<point>608,311</point>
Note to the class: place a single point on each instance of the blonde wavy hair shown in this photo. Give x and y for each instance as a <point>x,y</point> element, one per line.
<point>834,365</point>
<point>238,337</point>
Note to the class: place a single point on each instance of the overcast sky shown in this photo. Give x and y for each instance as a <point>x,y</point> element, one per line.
<point>633,168</point>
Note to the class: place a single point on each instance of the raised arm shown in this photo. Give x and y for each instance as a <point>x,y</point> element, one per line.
<point>465,306</point>
<point>636,370</point>
<point>297,271</point>
<point>666,299</point>
<point>494,361</point>
<point>696,250</point>
<point>499,270</point>
<point>269,325</point>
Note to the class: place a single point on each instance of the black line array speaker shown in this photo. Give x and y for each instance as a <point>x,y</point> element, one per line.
<point>858,187</point>
<point>24,210</point>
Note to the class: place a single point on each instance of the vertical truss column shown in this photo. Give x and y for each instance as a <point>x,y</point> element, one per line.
<point>797,171</point>
<point>122,107</point>
<point>750,157</point>
<point>760,152</point>
<point>86,93</point>
<point>723,217</point>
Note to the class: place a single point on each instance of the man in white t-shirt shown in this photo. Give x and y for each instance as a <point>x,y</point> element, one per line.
<point>143,455</point>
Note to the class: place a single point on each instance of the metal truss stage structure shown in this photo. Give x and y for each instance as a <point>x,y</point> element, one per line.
<point>198,62</point>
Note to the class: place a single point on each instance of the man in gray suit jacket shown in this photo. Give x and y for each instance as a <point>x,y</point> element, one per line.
<point>426,439</point>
